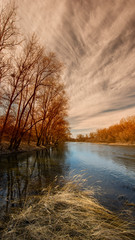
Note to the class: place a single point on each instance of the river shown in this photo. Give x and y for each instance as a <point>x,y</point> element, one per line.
<point>109,170</point>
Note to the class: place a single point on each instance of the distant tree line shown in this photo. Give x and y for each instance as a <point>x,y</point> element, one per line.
<point>33,102</point>
<point>123,132</point>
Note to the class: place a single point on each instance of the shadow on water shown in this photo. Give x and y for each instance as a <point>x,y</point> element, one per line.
<point>26,174</point>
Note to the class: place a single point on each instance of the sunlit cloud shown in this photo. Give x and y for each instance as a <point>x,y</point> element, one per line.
<point>96,41</point>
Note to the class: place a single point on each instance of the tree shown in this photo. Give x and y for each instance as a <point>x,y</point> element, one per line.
<point>43,76</point>
<point>8,37</point>
<point>8,40</point>
<point>32,94</point>
<point>8,29</point>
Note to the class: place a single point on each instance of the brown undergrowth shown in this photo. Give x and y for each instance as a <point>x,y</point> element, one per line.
<point>66,212</point>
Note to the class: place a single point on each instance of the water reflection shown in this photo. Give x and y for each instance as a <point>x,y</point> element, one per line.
<point>110,170</point>
<point>25,175</point>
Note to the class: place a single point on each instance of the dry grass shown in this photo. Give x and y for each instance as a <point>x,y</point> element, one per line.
<point>66,213</point>
<point>24,147</point>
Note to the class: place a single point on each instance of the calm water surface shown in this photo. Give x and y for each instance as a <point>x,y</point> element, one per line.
<point>110,170</point>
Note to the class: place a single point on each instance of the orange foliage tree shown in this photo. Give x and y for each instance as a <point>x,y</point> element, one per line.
<point>33,101</point>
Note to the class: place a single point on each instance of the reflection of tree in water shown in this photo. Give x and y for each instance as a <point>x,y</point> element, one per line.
<point>26,175</point>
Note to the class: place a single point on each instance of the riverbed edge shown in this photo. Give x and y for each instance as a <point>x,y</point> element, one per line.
<point>109,144</point>
<point>22,149</point>
<point>33,147</point>
<point>115,144</point>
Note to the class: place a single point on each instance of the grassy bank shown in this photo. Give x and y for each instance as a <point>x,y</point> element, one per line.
<point>66,213</point>
<point>24,147</point>
<point>108,143</point>
<point>115,144</point>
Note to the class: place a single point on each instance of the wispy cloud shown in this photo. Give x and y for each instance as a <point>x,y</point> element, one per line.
<point>96,41</point>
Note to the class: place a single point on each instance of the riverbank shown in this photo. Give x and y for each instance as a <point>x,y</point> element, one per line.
<point>116,144</point>
<point>110,143</point>
<point>24,147</point>
<point>66,213</point>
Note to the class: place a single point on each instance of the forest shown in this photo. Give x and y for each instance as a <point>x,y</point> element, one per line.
<point>33,101</point>
<point>123,132</point>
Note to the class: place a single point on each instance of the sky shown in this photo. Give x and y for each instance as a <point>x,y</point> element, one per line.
<point>95,39</point>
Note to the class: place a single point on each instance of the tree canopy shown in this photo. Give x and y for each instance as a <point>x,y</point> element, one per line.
<point>33,102</point>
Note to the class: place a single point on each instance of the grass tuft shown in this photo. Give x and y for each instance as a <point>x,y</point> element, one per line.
<point>66,213</point>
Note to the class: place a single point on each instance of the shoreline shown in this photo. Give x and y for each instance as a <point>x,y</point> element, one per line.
<point>66,213</point>
<point>22,149</point>
<point>33,147</point>
<point>115,144</point>
<point>110,144</point>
